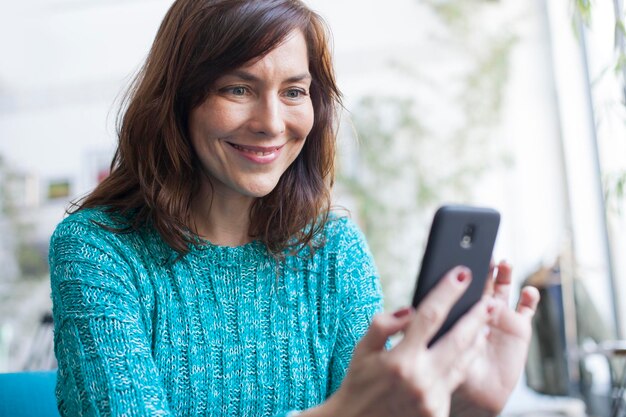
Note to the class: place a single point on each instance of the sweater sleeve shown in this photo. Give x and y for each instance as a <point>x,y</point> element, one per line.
<point>105,362</point>
<point>361,298</point>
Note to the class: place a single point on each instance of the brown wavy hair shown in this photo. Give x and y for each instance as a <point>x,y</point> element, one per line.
<point>155,171</point>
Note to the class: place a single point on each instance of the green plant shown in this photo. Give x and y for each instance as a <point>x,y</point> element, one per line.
<point>31,261</point>
<point>582,17</point>
<point>404,165</point>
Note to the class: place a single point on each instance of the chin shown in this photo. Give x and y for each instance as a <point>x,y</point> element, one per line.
<point>261,190</point>
<point>260,194</point>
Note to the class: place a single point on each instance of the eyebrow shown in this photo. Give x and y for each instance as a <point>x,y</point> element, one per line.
<point>246,76</point>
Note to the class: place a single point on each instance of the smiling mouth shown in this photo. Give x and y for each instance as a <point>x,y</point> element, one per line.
<point>256,150</point>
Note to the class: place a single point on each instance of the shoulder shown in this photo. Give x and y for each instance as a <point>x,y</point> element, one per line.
<point>91,248</point>
<point>341,231</point>
<point>344,241</point>
<point>352,262</point>
<point>88,216</point>
<point>92,233</point>
<point>92,223</point>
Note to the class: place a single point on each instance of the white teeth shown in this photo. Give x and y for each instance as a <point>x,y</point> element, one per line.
<point>257,153</point>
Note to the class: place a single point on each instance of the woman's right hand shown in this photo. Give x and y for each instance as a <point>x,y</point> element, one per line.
<point>412,379</point>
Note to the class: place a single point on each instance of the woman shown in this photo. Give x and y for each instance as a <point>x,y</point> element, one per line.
<point>205,275</point>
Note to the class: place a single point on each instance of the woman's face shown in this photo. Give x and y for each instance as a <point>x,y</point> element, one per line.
<point>254,122</point>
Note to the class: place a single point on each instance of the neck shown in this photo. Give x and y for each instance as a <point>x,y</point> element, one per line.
<point>222,220</point>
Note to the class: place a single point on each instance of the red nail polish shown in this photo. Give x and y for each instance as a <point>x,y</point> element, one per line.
<point>462,276</point>
<point>402,312</point>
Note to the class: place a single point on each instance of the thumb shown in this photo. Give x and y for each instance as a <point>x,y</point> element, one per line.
<point>527,304</point>
<point>383,326</point>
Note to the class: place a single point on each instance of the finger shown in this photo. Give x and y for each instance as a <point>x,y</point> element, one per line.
<point>382,327</point>
<point>458,369</point>
<point>502,284</point>
<point>528,301</point>
<point>463,336</point>
<point>433,310</point>
<point>489,281</point>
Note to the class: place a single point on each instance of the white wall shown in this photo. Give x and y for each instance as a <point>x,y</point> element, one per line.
<point>610,114</point>
<point>63,63</point>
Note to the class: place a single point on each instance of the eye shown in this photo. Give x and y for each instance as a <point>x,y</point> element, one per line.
<point>295,93</point>
<point>238,90</point>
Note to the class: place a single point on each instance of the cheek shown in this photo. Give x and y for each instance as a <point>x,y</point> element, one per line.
<point>214,119</point>
<point>195,129</point>
<point>223,120</point>
<point>307,118</point>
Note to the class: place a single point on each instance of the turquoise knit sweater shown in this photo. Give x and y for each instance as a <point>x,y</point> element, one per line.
<point>223,331</point>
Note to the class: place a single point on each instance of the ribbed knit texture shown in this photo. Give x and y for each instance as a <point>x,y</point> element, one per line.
<point>219,332</point>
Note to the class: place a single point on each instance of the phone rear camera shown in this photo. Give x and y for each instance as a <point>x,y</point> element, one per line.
<point>468,236</point>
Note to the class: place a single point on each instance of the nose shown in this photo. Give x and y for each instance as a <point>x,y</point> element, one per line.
<point>267,118</point>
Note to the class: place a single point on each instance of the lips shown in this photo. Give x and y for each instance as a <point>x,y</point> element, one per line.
<point>256,150</point>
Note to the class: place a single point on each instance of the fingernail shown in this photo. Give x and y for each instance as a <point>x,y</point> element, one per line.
<point>463,276</point>
<point>491,306</point>
<point>402,312</point>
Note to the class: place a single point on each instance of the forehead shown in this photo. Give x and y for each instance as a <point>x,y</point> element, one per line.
<point>289,55</point>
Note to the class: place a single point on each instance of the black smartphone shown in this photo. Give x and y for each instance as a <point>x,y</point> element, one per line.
<point>459,235</point>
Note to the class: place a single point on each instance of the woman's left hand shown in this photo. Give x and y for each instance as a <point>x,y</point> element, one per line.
<point>495,372</point>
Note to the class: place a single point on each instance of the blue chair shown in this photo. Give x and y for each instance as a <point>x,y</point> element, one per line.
<point>28,394</point>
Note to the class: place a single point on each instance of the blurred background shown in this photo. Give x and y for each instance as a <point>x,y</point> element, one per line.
<point>517,105</point>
